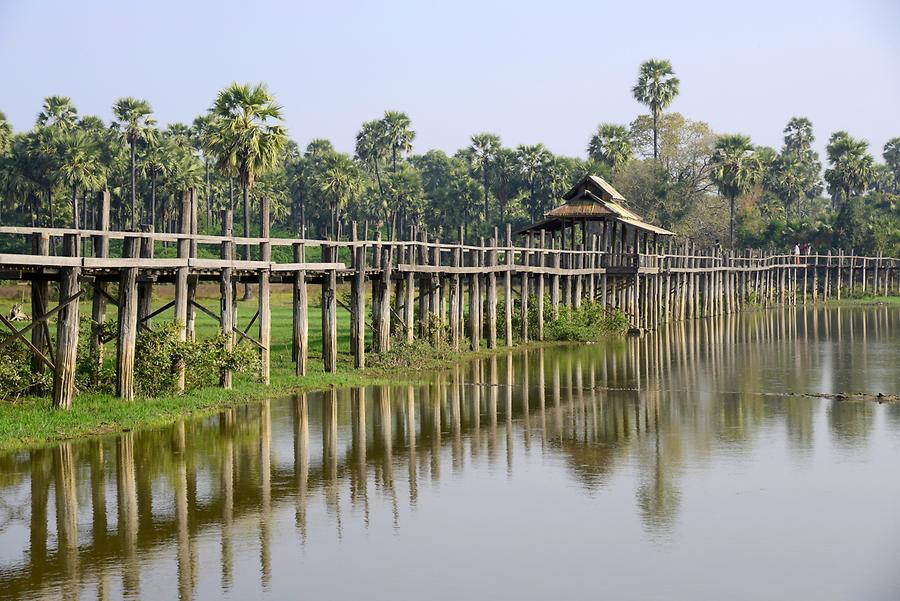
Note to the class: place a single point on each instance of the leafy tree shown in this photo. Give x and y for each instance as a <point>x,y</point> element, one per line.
<point>533,162</point>
<point>6,135</point>
<point>398,135</point>
<point>891,155</point>
<point>851,167</point>
<point>507,183</point>
<point>246,139</point>
<point>611,145</point>
<point>372,148</point>
<point>58,114</point>
<point>735,169</point>
<point>79,167</point>
<point>339,182</point>
<point>481,153</point>
<point>656,88</point>
<point>134,120</point>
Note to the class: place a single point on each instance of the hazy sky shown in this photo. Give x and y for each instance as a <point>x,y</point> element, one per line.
<point>530,71</point>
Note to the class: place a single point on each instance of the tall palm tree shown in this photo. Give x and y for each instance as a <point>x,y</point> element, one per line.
<point>656,88</point>
<point>6,135</point>
<point>155,162</point>
<point>245,140</point>
<point>798,134</point>
<point>483,151</point>
<point>851,166</point>
<point>58,113</point>
<point>339,183</point>
<point>397,134</point>
<point>371,148</point>
<point>735,169</point>
<point>79,167</point>
<point>611,144</point>
<point>506,181</point>
<point>533,162</point>
<point>134,120</point>
<point>891,155</point>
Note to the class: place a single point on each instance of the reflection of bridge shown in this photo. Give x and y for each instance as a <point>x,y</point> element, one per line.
<point>592,408</point>
<point>415,284</point>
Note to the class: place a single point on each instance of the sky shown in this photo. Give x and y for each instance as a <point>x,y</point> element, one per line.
<point>530,71</point>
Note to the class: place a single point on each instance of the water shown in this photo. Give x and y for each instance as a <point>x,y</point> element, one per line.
<point>676,466</point>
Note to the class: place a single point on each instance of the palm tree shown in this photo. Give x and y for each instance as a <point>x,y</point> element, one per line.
<point>134,121</point>
<point>244,140</point>
<point>656,87</point>
<point>798,135</point>
<point>788,179</point>
<point>58,113</point>
<point>79,167</point>
<point>339,183</point>
<point>371,147</point>
<point>611,144</point>
<point>735,169</point>
<point>533,161</point>
<point>891,155</point>
<point>851,166</point>
<point>506,182</point>
<point>6,135</point>
<point>482,152</point>
<point>397,134</point>
<point>154,163</point>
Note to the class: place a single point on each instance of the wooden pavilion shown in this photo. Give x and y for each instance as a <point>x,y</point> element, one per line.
<point>599,210</point>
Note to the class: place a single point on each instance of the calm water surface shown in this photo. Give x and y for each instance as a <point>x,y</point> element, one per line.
<point>676,466</point>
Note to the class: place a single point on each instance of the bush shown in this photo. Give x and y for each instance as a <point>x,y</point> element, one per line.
<point>590,322</point>
<point>416,355</point>
<point>16,378</point>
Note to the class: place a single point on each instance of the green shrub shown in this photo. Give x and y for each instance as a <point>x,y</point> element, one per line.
<point>590,322</point>
<point>416,355</point>
<point>16,378</point>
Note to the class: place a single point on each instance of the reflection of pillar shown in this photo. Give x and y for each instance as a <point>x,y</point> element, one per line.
<point>40,489</point>
<point>185,576</point>
<point>411,438</point>
<point>557,410</point>
<point>476,408</point>
<point>360,482</point>
<point>98,511</point>
<point>265,477</point>
<point>387,440</point>
<point>541,382</point>
<point>301,458</point>
<point>226,480</point>
<point>508,410</point>
<point>526,401</point>
<point>435,399</point>
<point>493,383</point>
<point>67,516</point>
<point>126,500</point>
<point>455,419</point>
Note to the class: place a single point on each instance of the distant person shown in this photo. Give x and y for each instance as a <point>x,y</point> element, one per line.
<point>797,254</point>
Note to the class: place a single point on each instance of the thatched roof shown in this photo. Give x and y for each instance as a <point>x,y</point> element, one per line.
<point>593,199</point>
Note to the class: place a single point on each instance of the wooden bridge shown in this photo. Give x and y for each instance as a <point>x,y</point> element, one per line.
<point>418,287</point>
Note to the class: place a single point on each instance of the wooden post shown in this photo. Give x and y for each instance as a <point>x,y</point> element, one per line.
<point>383,335</point>
<point>455,299</point>
<point>98,296</point>
<point>67,329</point>
<point>40,293</point>
<point>145,283</point>
<point>329,312</point>
<point>542,259</point>
<point>554,283</point>
<point>226,293</point>
<point>358,302</point>
<point>523,305</point>
<point>424,292</point>
<point>300,339</point>
<point>474,304</point>
<point>492,294</point>
<point>410,289</point>
<point>191,324</point>
<point>127,323</point>
<point>434,287</point>
<point>507,288</point>
<point>265,299</point>
<point>181,283</point>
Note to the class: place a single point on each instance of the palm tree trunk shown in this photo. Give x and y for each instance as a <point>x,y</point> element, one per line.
<point>75,220</point>
<point>133,186</point>
<point>246,186</point>
<point>153,201</point>
<point>484,182</point>
<point>655,134</point>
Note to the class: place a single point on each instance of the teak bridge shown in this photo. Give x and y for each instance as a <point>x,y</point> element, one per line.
<point>446,292</point>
